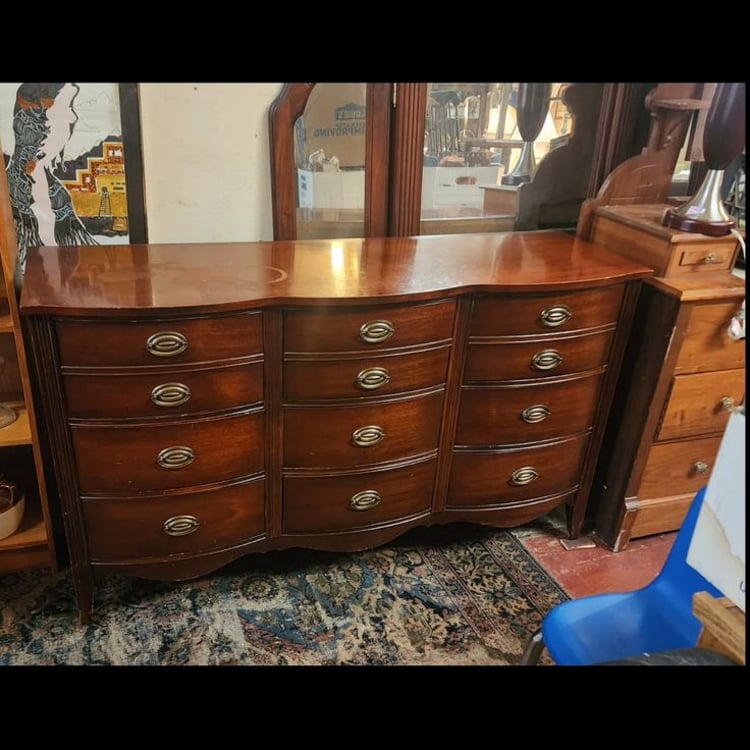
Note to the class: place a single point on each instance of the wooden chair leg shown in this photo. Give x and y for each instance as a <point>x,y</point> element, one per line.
<point>533,651</point>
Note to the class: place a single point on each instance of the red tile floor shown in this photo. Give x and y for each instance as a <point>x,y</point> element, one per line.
<point>593,570</point>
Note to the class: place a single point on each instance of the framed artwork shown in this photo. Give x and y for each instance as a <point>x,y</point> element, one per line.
<point>72,155</point>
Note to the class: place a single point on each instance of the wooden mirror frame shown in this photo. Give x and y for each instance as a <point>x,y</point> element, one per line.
<point>283,114</point>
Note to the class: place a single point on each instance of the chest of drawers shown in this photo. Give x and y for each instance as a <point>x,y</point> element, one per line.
<point>208,401</point>
<point>681,378</point>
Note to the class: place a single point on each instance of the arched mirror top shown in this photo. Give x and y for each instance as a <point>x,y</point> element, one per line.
<point>318,144</point>
<point>283,115</point>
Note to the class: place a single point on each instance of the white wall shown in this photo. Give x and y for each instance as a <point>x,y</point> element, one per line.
<point>206,161</point>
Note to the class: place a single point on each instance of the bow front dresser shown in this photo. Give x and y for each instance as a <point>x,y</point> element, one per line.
<point>206,401</point>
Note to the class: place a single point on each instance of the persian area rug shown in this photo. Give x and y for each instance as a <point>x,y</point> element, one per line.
<point>453,596</point>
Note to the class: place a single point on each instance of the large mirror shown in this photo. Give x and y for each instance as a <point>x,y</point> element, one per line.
<point>402,159</point>
<point>329,155</point>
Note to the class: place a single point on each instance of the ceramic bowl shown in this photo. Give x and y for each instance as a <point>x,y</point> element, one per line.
<point>11,519</point>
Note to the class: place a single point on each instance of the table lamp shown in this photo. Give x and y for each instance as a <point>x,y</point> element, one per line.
<point>723,141</point>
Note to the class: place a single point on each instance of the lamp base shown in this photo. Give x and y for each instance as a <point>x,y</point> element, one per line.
<point>704,213</point>
<point>524,169</point>
<point>674,220</point>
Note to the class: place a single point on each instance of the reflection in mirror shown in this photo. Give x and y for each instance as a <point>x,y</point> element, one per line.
<point>473,139</point>
<point>329,155</point>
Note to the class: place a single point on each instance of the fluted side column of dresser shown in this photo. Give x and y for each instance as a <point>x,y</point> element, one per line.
<point>208,401</point>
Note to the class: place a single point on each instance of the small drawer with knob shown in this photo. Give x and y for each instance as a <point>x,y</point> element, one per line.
<point>121,395</point>
<point>706,344</point>
<point>315,504</point>
<point>367,328</point>
<point>176,524</point>
<point>708,256</point>
<point>169,342</point>
<point>496,478</point>
<point>368,433</point>
<point>680,467</point>
<point>700,404</point>
<point>115,458</point>
<point>489,360</point>
<point>545,313</point>
<point>339,377</point>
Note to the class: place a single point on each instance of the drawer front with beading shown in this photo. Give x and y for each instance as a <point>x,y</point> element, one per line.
<point>151,456</point>
<point>342,377</point>
<point>177,341</point>
<point>367,433</point>
<point>509,476</point>
<point>507,414</point>
<point>519,360</point>
<point>325,503</point>
<point>367,328</point>
<point>122,395</point>
<point>547,313</point>
<point>178,524</point>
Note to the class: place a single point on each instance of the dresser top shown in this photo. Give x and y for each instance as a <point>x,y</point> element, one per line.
<point>211,277</point>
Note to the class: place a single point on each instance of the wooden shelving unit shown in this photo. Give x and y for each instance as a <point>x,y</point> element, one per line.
<point>33,545</point>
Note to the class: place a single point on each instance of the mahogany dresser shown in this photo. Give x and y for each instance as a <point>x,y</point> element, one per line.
<point>205,401</point>
<point>683,375</point>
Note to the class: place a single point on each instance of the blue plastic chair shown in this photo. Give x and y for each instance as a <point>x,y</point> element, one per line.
<point>610,627</point>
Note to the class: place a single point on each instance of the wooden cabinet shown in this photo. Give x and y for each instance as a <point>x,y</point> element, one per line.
<point>33,544</point>
<point>683,374</point>
<point>208,401</point>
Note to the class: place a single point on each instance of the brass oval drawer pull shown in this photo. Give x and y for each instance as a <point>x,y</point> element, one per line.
<point>535,413</point>
<point>727,403</point>
<point>524,475</point>
<point>166,344</point>
<point>701,467</point>
<point>367,436</point>
<point>372,378</point>
<point>546,360</point>
<point>376,331</point>
<point>175,457</point>
<point>365,500</point>
<point>711,258</point>
<point>180,525</point>
<point>555,316</point>
<point>170,394</point>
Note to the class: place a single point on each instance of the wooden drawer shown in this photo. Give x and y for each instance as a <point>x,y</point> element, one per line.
<point>708,256</point>
<point>87,343</point>
<point>537,359</point>
<point>506,477</point>
<point>137,527</point>
<point>329,330</point>
<point>386,431</point>
<point>503,415</point>
<point>164,394</point>
<point>697,406</point>
<point>706,345</point>
<point>546,313</point>
<point>371,376</point>
<point>679,467</point>
<point>119,458</point>
<point>355,501</point>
